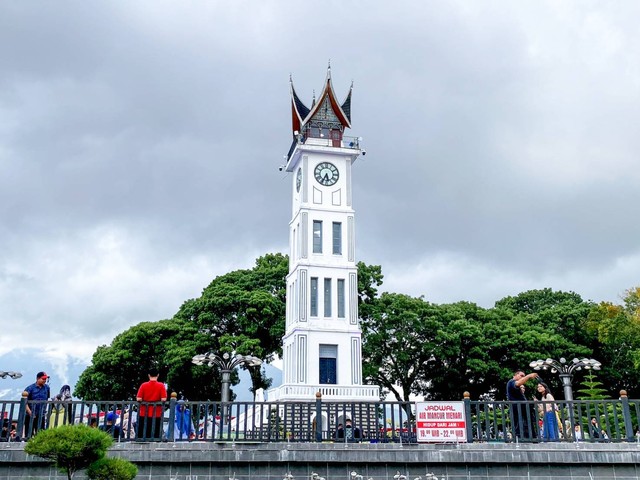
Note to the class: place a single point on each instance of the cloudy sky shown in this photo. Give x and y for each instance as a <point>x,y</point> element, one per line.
<point>140,144</point>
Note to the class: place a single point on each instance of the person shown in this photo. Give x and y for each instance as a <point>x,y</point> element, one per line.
<point>594,429</point>
<point>37,395</point>
<point>127,425</point>
<point>110,426</point>
<point>5,435</point>
<point>339,433</point>
<point>61,413</point>
<point>518,414</point>
<point>150,416</point>
<point>349,432</point>
<point>577,433</point>
<point>352,432</point>
<point>547,412</point>
<point>183,425</point>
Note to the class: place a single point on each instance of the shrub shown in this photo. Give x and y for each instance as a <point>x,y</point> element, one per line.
<point>70,447</point>
<point>112,469</point>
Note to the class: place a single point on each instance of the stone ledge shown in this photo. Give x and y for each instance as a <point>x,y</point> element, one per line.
<point>205,452</point>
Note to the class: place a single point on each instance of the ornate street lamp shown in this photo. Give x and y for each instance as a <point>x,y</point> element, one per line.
<point>13,375</point>
<point>565,370</point>
<point>226,363</point>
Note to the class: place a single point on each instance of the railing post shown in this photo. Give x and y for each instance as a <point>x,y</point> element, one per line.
<point>172,417</point>
<point>318,416</point>
<point>467,413</point>
<point>22,413</point>
<point>626,413</point>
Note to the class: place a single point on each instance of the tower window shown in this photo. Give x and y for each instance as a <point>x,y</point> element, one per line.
<point>341,307</point>
<point>314,297</point>
<point>317,236</point>
<point>327,297</point>
<point>337,238</point>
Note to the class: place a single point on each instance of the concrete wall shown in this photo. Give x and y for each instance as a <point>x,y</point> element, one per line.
<point>211,461</point>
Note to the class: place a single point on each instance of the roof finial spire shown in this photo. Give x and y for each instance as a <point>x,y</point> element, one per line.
<point>329,69</point>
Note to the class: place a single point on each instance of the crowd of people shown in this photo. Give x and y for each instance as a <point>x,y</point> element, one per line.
<point>46,411</point>
<point>529,420</point>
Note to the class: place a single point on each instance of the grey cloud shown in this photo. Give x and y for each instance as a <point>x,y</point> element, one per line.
<point>139,146</point>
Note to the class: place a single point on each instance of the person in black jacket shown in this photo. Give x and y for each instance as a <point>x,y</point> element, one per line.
<point>349,432</point>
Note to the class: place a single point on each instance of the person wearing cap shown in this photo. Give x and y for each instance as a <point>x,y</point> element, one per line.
<point>150,416</point>
<point>110,426</point>
<point>37,395</point>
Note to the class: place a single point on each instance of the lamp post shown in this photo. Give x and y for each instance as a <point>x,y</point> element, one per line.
<point>14,375</point>
<point>565,370</point>
<point>226,363</point>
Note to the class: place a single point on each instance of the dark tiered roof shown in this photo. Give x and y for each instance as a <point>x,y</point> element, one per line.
<point>301,114</point>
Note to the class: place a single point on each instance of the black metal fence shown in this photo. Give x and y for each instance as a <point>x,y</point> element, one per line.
<point>319,421</point>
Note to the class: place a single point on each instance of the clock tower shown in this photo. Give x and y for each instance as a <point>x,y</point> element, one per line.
<point>322,341</point>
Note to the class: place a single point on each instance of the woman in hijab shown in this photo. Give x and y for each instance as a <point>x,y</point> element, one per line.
<point>547,412</point>
<point>61,410</point>
<point>183,426</point>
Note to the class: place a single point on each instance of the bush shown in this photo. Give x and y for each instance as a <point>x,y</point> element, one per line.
<point>70,447</point>
<point>112,469</point>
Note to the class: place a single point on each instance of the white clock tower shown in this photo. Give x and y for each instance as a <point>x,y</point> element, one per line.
<point>322,341</point>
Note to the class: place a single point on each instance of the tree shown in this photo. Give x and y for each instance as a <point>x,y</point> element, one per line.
<point>616,328</point>
<point>439,351</point>
<point>117,370</point>
<point>559,312</point>
<point>112,469</point>
<point>399,335</point>
<point>369,278</point>
<point>70,447</point>
<point>540,324</point>
<point>591,388</point>
<point>244,312</point>
<point>462,358</point>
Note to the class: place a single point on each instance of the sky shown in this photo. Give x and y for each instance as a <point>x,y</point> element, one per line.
<point>140,144</point>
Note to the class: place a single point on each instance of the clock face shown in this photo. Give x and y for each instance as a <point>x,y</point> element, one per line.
<point>326,174</point>
<point>298,179</point>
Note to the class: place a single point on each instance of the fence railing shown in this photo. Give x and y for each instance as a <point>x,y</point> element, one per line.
<point>321,421</point>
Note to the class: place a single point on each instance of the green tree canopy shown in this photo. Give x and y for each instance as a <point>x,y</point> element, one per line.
<point>410,346</point>
<point>616,328</point>
<point>399,336</point>
<point>244,312</point>
<point>117,370</point>
<point>440,351</point>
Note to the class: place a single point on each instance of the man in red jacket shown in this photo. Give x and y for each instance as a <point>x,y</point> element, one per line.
<point>150,416</point>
